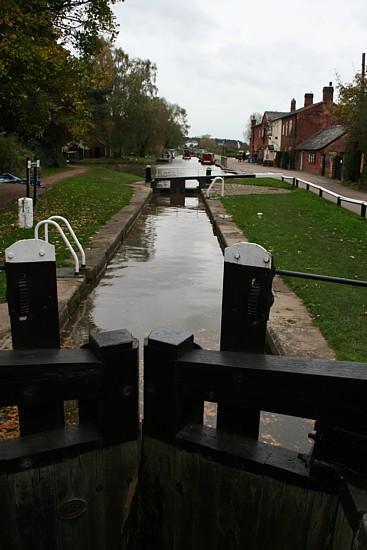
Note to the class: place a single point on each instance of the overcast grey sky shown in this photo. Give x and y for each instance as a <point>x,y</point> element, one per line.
<point>224,59</point>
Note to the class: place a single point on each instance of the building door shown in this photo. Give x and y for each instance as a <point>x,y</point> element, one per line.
<point>323,162</point>
<point>338,166</point>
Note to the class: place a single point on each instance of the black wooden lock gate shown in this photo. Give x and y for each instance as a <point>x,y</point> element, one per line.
<point>77,483</point>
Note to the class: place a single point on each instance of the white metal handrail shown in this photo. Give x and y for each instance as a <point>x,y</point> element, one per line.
<point>217,178</point>
<point>72,233</point>
<point>322,190</point>
<point>64,237</point>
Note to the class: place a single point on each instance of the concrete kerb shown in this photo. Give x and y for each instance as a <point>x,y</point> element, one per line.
<point>72,290</point>
<point>291,330</point>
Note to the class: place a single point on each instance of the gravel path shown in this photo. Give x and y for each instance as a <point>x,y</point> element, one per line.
<point>238,189</point>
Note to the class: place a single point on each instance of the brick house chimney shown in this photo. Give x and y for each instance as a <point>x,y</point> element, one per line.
<point>253,122</point>
<point>308,100</point>
<point>293,105</point>
<point>328,93</point>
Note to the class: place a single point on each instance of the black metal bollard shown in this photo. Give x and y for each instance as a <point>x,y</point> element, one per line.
<point>30,267</point>
<point>148,173</point>
<point>246,303</point>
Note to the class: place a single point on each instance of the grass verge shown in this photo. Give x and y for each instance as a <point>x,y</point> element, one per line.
<point>306,233</point>
<point>87,201</point>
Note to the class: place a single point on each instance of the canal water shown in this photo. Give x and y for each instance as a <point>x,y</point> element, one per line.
<point>168,273</point>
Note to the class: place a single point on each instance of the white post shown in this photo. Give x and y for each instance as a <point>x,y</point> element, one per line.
<point>25,212</point>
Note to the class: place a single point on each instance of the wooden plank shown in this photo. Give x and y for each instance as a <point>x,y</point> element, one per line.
<point>360,540</point>
<point>343,533</point>
<point>185,521</point>
<point>45,376</point>
<point>43,448</point>
<point>253,456</point>
<point>285,514</point>
<point>321,519</point>
<point>121,467</point>
<point>9,539</point>
<point>194,500</point>
<point>196,503</point>
<point>44,488</point>
<point>335,370</point>
<point>327,390</point>
<point>80,502</point>
<point>45,357</point>
<point>159,493</point>
<point>240,497</point>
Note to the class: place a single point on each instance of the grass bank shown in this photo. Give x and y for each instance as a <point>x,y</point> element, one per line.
<point>306,233</point>
<point>87,201</point>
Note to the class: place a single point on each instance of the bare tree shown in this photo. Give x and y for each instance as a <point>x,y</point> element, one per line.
<point>247,132</point>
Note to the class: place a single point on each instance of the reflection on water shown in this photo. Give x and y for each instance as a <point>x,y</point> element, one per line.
<point>168,273</point>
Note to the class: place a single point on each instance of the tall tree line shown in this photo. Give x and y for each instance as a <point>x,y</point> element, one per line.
<point>128,115</point>
<point>59,81</point>
<point>351,110</point>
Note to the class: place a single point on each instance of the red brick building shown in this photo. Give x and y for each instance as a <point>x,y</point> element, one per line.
<point>322,153</point>
<point>286,131</point>
<point>300,124</point>
<point>260,134</point>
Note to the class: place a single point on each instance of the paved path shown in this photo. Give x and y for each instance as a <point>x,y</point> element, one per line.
<point>333,185</point>
<point>10,192</point>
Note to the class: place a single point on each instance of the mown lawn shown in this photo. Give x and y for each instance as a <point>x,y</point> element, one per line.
<point>306,233</point>
<point>50,171</point>
<point>87,201</point>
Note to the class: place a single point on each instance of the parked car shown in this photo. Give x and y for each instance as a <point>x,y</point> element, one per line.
<point>207,158</point>
<point>10,178</point>
<point>186,154</point>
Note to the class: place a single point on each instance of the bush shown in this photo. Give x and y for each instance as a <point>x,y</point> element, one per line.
<point>13,155</point>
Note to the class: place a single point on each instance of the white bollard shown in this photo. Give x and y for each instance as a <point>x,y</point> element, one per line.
<point>25,212</point>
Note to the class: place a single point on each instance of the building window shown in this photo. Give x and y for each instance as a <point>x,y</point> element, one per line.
<point>290,126</point>
<point>311,158</point>
<point>283,129</point>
